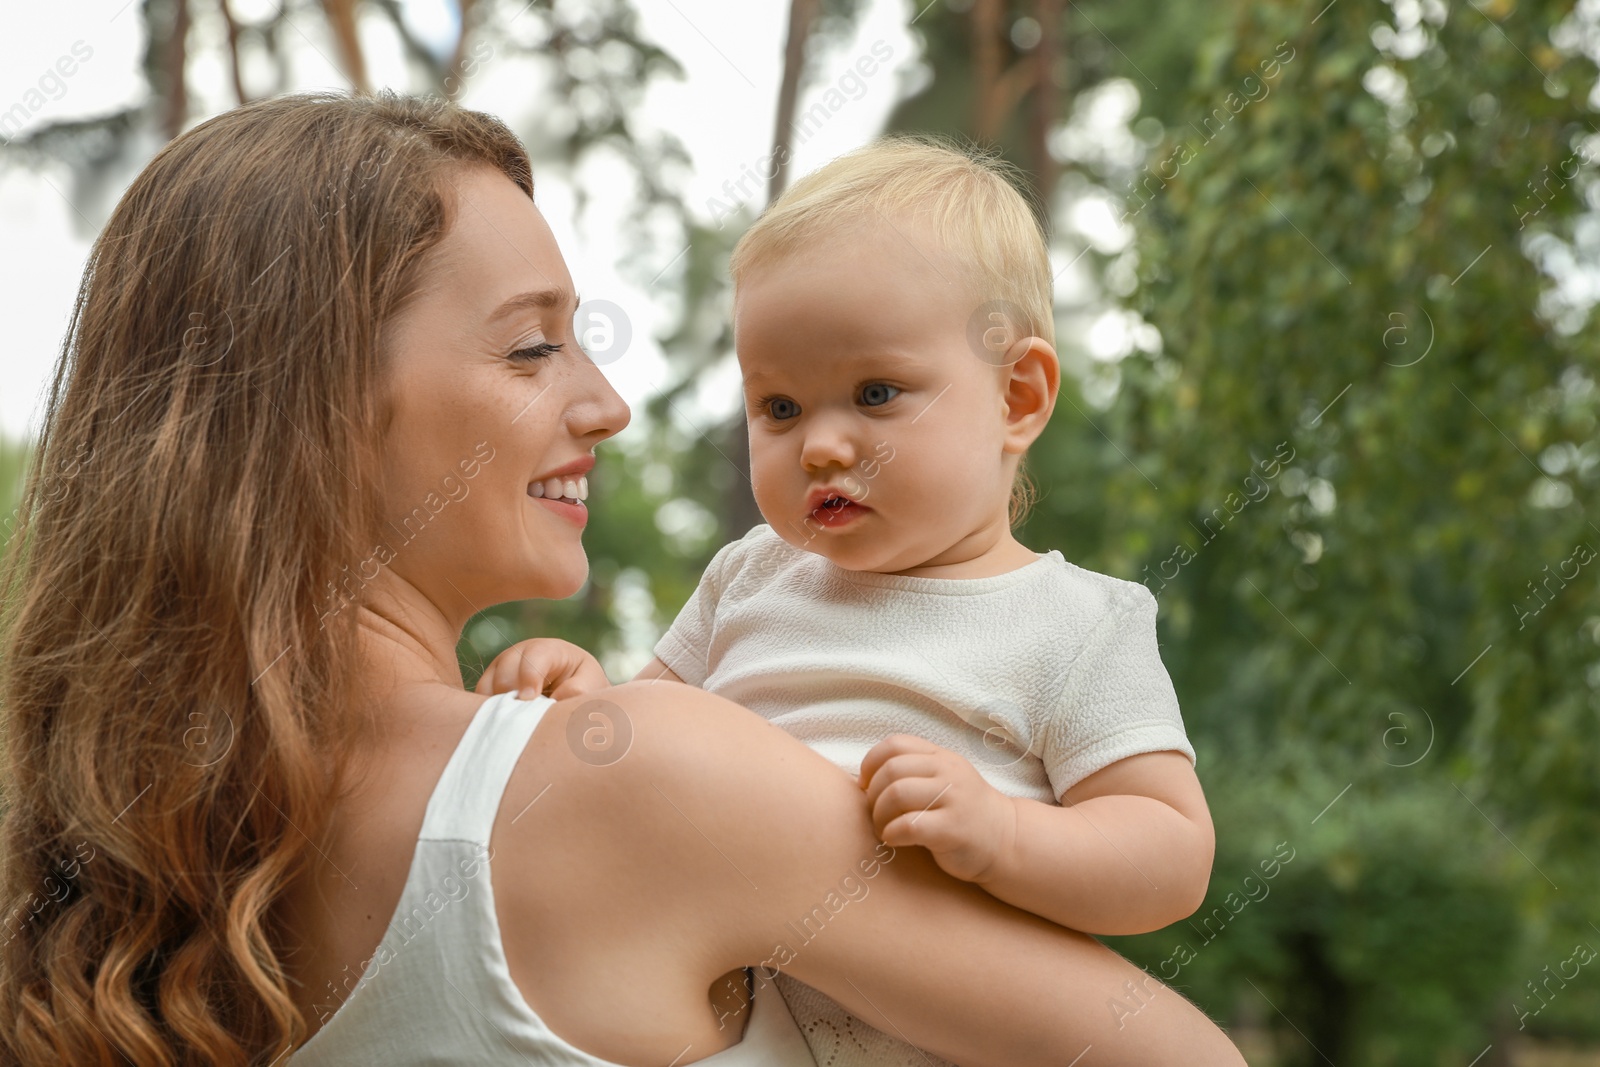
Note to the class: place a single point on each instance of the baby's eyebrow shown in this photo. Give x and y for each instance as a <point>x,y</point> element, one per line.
<point>756,376</point>
<point>896,361</point>
<point>884,362</point>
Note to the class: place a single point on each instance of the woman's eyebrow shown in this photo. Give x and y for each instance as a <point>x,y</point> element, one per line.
<point>534,298</point>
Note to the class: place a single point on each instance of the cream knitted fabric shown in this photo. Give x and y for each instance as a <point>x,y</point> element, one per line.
<point>1040,677</point>
<point>839,1039</point>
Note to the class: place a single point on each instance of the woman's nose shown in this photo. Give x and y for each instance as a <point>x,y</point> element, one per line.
<point>599,411</point>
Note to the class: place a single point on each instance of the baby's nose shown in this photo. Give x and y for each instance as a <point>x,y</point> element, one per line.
<point>828,445</point>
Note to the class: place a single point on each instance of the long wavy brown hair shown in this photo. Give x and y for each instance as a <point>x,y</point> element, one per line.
<point>174,687</point>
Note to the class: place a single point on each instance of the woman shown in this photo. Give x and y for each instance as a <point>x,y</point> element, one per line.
<point>321,355</point>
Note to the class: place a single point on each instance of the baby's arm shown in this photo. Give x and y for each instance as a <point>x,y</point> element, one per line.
<point>656,671</point>
<point>1128,851</point>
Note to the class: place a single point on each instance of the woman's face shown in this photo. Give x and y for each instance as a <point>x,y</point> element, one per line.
<point>490,396</point>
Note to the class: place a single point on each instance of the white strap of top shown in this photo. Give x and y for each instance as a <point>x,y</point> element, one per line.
<point>464,803</point>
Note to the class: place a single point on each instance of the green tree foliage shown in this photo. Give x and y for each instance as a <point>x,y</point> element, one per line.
<point>1348,266</point>
<point>13,465</point>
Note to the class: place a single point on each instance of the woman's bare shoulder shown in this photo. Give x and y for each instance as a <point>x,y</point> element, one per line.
<point>633,851</point>
<point>663,781</point>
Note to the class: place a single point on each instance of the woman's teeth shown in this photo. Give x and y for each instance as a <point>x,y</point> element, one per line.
<point>572,490</point>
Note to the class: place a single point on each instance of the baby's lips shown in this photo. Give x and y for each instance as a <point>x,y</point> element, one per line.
<point>820,495</point>
<point>821,505</point>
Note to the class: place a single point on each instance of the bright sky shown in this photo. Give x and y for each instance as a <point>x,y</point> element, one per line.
<point>722,112</point>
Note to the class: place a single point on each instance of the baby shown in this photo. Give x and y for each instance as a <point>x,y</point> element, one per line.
<point>1006,710</point>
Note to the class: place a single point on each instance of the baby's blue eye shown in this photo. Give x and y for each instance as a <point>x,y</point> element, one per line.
<point>878,393</point>
<point>782,408</point>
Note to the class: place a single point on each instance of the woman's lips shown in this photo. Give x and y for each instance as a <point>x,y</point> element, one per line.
<point>577,514</point>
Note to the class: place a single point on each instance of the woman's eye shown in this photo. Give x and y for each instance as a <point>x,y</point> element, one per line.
<point>542,350</point>
<point>782,408</point>
<point>878,393</point>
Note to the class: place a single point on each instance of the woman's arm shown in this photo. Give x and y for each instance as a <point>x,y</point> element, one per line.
<point>751,849</point>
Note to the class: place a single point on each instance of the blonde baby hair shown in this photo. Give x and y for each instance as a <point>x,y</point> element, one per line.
<point>968,198</point>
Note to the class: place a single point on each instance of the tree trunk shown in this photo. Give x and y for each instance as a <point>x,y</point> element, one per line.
<point>1323,1017</point>
<point>986,62</point>
<point>802,16</point>
<point>1046,95</point>
<point>341,15</point>
<point>454,76</point>
<point>233,51</point>
<point>176,60</point>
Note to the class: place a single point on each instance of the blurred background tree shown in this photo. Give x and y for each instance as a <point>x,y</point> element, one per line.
<point>1325,276</point>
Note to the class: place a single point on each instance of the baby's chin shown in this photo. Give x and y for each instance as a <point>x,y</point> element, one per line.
<point>867,554</point>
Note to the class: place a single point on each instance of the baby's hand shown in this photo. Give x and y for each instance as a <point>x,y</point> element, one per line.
<point>921,794</point>
<point>543,666</point>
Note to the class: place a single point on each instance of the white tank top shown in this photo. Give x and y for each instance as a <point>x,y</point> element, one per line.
<point>437,990</point>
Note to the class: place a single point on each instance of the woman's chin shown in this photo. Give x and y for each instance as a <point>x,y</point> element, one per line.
<point>563,578</point>
<point>545,577</point>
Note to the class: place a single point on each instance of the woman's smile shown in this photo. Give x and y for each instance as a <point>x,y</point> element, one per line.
<point>565,490</point>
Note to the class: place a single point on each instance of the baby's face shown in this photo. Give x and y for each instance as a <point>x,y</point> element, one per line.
<point>876,431</point>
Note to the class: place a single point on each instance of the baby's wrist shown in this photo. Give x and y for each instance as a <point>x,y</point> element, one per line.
<point>1003,860</point>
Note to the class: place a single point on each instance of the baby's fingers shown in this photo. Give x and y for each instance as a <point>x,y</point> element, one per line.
<point>934,829</point>
<point>511,669</point>
<point>923,765</point>
<point>887,749</point>
<point>586,679</point>
<point>908,799</point>
<point>486,681</point>
<point>530,676</point>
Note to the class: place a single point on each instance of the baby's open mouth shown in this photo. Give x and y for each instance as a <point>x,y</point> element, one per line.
<point>837,511</point>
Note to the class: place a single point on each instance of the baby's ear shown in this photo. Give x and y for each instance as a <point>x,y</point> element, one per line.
<point>1032,378</point>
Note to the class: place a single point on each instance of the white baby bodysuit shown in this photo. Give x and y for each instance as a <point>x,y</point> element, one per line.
<point>1039,677</point>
